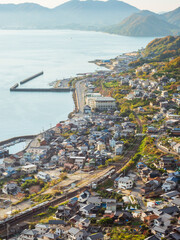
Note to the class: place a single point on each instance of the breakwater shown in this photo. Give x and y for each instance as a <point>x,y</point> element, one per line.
<point>14,86</point>
<point>15,89</point>
<point>31,78</point>
<point>10,140</point>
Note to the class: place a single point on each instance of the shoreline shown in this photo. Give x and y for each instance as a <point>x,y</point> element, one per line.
<point>81,30</point>
<point>70,114</point>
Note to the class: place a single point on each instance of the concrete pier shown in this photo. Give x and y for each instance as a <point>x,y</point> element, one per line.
<point>41,89</point>
<point>32,77</point>
<point>14,87</point>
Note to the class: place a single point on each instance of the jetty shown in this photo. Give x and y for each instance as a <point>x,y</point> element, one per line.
<point>32,77</point>
<point>15,89</point>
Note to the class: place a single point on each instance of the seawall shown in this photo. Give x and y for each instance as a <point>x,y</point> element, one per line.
<point>41,89</point>
<point>16,138</point>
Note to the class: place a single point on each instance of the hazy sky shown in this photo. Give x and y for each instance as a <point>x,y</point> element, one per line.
<point>153,5</point>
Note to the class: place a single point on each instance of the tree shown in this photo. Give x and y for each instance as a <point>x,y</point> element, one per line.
<point>106,221</point>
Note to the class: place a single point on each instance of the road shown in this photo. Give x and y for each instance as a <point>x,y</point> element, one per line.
<point>136,193</point>
<point>80,91</point>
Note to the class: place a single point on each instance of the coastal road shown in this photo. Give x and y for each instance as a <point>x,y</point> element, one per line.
<point>80,91</point>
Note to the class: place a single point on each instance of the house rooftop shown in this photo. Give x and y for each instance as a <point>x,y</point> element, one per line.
<point>96,236</point>
<point>73,231</point>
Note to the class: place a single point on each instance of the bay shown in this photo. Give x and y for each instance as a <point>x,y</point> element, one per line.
<point>60,54</point>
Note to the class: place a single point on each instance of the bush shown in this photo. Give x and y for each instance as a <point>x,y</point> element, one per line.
<point>106,221</point>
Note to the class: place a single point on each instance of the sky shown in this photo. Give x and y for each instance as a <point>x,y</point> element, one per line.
<point>152,5</point>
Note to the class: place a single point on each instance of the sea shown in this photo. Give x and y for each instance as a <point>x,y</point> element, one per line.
<point>60,54</point>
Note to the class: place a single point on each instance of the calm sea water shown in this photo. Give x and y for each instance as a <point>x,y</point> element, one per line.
<point>59,53</point>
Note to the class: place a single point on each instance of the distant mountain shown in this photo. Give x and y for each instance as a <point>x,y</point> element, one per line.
<point>111,16</point>
<point>144,23</point>
<point>73,14</point>
<point>173,17</point>
<point>24,7</point>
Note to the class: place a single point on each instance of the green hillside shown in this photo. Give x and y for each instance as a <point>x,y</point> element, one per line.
<point>163,47</point>
<point>159,50</point>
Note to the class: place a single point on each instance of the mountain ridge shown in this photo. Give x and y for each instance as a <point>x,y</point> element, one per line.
<point>112,16</point>
<point>144,23</point>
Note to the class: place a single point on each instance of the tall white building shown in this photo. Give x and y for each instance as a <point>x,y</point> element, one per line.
<point>101,103</point>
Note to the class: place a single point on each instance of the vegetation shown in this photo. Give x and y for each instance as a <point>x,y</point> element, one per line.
<point>172,68</point>
<point>113,195</point>
<point>32,182</point>
<point>163,47</point>
<point>46,216</point>
<point>159,51</point>
<point>119,234</point>
<point>106,221</point>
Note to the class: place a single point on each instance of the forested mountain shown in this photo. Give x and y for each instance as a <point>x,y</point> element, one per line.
<point>144,23</point>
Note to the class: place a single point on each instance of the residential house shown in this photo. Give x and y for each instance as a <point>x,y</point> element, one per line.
<point>84,196</point>
<point>167,163</point>
<point>175,132</point>
<point>87,109</point>
<point>125,183</point>
<point>110,207</point>
<point>96,236</point>
<point>44,176</point>
<point>169,184</point>
<point>153,238</point>
<point>11,188</point>
<point>86,209</point>
<point>63,212</point>
<point>177,148</point>
<point>165,94</point>
<point>41,228</point>
<point>75,234</point>
<point>122,217</point>
<point>28,234</point>
<point>51,236</point>
<point>119,149</point>
<point>101,146</point>
<point>95,200</point>
<point>84,223</point>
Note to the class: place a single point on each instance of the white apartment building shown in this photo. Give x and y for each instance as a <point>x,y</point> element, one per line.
<point>29,168</point>
<point>101,103</point>
<point>105,103</point>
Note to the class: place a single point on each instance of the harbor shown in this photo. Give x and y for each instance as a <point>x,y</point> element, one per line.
<point>60,88</point>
